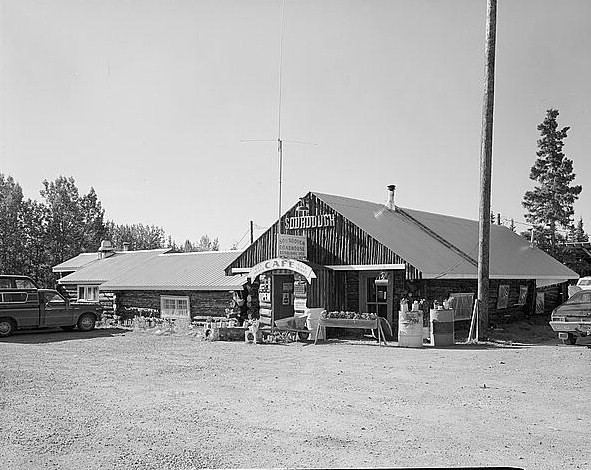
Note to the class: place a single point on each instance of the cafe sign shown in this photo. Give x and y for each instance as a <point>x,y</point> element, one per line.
<point>287,264</point>
<point>309,221</point>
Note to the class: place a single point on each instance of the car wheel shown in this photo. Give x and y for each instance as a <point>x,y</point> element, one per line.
<point>7,327</point>
<point>86,322</point>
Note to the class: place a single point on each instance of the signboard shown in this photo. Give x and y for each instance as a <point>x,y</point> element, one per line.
<point>278,263</point>
<point>299,304</point>
<point>309,221</point>
<point>292,246</point>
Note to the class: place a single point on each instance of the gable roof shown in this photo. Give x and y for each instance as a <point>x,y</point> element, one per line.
<point>102,270</point>
<point>180,271</point>
<point>75,263</point>
<point>442,246</point>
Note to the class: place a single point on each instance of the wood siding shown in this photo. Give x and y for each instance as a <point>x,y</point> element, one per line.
<point>343,244</point>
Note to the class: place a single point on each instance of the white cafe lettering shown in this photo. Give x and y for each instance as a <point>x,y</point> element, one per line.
<point>277,263</point>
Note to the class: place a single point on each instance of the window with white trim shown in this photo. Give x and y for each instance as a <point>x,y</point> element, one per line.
<point>88,293</point>
<point>174,307</point>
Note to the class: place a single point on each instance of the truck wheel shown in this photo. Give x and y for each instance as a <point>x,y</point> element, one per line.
<point>7,327</point>
<point>86,322</point>
<point>572,339</point>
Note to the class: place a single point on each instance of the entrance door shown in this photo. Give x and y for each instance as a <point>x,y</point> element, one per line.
<point>282,295</point>
<point>377,297</point>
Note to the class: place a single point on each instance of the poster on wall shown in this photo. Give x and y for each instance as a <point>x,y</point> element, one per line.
<point>299,304</point>
<point>503,298</point>
<point>286,298</point>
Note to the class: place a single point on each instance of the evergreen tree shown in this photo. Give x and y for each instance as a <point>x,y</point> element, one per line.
<point>550,204</point>
<point>206,244</point>
<point>579,232</point>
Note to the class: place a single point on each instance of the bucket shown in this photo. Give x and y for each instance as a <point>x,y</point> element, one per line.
<point>442,327</point>
<point>410,329</point>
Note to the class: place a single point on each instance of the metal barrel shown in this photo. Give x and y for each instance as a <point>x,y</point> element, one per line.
<point>442,327</point>
<point>410,329</point>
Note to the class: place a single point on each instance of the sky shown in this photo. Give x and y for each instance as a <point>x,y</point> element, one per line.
<point>151,102</point>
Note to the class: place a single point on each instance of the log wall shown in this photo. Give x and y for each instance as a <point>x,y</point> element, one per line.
<point>202,303</point>
<point>439,289</point>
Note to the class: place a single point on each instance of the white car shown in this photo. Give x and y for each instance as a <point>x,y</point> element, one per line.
<point>584,283</point>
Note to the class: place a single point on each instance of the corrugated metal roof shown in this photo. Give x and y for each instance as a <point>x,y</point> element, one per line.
<point>75,263</point>
<point>102,270</point>
<point>442,246</point>
<point>180,271</point>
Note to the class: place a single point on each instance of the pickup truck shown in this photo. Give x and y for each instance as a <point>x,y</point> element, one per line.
<point>44,308</point>
<point>573,318</point>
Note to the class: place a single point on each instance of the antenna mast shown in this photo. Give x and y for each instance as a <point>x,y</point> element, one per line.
<point>279,141</point>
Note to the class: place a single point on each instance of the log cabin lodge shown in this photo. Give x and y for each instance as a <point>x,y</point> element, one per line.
<point>354,255</point>
<point>334,253</point>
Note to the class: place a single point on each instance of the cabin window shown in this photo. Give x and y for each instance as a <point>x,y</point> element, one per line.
<point>522,295</point>
<point>174,307</point>
<point>88,293</point>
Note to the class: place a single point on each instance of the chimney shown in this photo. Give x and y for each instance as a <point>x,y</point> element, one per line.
<point>391,202</point>
<point>125,246</point>
<point>105,250</point>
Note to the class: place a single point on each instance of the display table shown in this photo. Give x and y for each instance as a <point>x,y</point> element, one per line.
<point>350,323</point>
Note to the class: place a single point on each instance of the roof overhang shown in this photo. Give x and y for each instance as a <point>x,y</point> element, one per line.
<point>499,276</point>
<point>367,267</point>
<point>171,288</point>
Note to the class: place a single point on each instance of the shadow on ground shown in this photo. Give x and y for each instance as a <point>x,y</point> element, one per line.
<point>54,335</point>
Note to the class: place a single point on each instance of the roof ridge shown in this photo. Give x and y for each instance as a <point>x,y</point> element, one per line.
<point>202,252</point>
<point>438,237</point>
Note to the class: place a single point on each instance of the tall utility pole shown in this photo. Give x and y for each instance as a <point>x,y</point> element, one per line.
<point>485,165</point>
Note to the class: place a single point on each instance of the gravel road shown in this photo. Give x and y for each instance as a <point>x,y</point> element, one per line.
<point>118,399</point>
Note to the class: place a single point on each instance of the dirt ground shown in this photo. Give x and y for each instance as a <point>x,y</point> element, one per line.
<point>118,399</point>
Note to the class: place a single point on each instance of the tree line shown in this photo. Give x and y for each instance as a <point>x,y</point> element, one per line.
<point>37,235</point>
